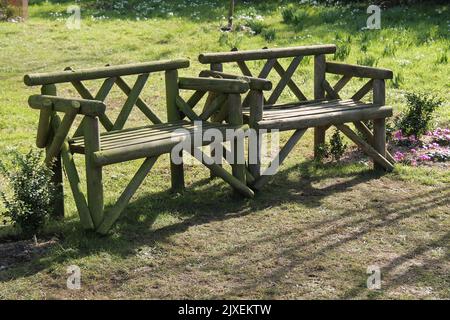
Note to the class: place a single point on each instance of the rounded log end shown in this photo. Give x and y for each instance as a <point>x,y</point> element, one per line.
<point>28,80</point>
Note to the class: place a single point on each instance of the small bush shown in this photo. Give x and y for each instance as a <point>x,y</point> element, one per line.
<point>322,151</point>
<point>416,120</point>
<point>337,146</point>
<point>230,39</point>
<point>257,26</point>
<point>29,194</point>
<point>6,11</point>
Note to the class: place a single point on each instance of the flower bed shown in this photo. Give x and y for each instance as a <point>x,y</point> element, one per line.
<point>432,148</point>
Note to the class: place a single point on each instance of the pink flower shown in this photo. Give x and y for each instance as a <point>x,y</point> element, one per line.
<point>414,163</point>
<point>398,135</point>
<point>398,156</point>
<point>424,157</point>
<point>413,150</point>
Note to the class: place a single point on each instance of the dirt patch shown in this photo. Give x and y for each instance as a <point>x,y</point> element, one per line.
<point>14,253</point>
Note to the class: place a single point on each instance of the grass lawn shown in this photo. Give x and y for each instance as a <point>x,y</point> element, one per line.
<point>311,233</point>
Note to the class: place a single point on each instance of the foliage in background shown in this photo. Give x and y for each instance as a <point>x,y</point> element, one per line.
<point>416,119</point>
<point>29,192</point>
<point>6,11</point>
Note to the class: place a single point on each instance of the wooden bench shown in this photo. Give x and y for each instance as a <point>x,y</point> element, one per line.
<point>325,109</point>
<point>118,144</point>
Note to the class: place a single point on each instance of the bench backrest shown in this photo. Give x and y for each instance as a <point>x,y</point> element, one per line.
<point>271,56</point>
<point>111,76</point>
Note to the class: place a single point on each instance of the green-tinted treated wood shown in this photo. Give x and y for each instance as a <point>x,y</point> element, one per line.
<point>216,85</point>
<point>287,75</point>
<point>186,109</point>
<point>43,131</point>
<point>136,151</point>
<point>319,93</point>
<point>61,134</point>
<point>131,101</point>
<point>370,138</point>
<point>126,196</point>
<point>104,72</point>
<point>341,83</point>
<point>218,171</point>
<point>173,115</point>
<point>326,119</point>
<point>254,83</point>
<point>56,166</point>
<point>358,71</point>
<point>368,149</point>
<point>101,96</point>
<point>266,53</point>
<point>139,102</point>
<point>280,157</point>
<point>254,142</point>
<point>221,115</point>
<point>235,118</point>
<point>213,107</point>
<point>74,181</point>
<point>87,107</point>
<point>363,91</point>
<point>93,171</point>
<point>379,125</point>
<point>290,83</point>
<point>331,94</point>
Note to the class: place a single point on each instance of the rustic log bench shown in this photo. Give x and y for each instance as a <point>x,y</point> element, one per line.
<point>118,144</point>
<point>326,109</point>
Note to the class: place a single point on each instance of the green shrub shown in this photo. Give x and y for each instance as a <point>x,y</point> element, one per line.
<point>322,151</point>
<point>6,11</point>
<point>29,194</point>
<point>337,146</point>
<point>416,119</point>
<point>257,26</point>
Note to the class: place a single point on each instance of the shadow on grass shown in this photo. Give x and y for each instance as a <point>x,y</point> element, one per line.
<point>196,206</point>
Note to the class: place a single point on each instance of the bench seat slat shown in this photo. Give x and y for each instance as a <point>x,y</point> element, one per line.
<point>323,113</point>
<point>160,137</point>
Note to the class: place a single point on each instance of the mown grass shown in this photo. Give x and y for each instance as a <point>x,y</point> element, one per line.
<point>310,234</point>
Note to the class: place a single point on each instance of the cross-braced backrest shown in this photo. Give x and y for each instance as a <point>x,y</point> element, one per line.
<point>112,76</point>
<point>271,64</point>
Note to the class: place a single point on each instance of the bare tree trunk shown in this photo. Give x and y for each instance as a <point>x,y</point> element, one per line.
<point>231,14</point>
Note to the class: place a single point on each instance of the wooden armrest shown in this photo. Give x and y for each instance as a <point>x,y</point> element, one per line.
<point>85,107</point>
<point>215,85</point>
<point>255,83</point>
<point>358,71</point>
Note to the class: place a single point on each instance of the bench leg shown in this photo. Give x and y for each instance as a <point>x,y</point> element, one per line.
<point>379,141</point>
<point>319,139</point>
<point>254,154</point>
<point>177,176</point>
<point>93,172</point>
<point>57,180</point>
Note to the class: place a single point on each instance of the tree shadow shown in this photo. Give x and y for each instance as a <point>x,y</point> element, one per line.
<point>198,205</point>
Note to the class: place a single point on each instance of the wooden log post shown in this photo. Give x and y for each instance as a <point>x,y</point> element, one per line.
<point>56,164</point>
<point>235,118</point>
<point>254,143</point>
<point>319,93</point>
<point>173,114</point>
<point>93,171</point>
<point>379,125</point>
<point>219,68</point>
